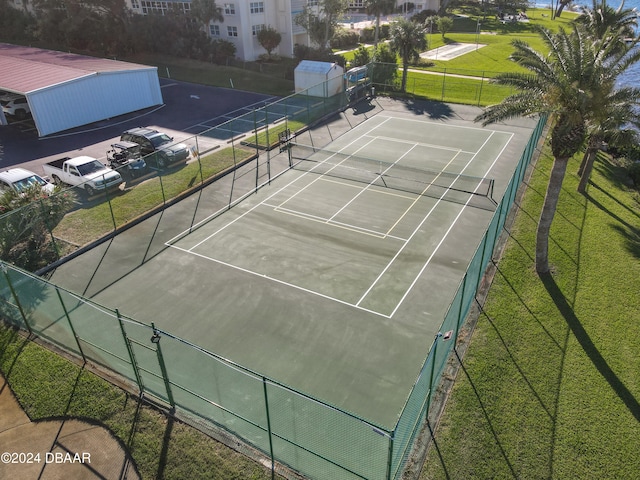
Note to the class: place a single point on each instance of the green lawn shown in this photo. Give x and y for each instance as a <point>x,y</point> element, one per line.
<point>549,387</point>
<point>47,385</point>
<point>268,79</point>
<point>87,224</point>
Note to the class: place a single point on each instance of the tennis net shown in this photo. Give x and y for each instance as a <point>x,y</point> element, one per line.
<point>454,187</point>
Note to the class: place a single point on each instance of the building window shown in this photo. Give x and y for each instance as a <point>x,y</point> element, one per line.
<point>312,3</point>
<point>214,30</point>
<point>150,6</point>
<point>356,4</point>
<point>232,31</point>
<point>135,4</point>
<point>256,28</point>
<point>257,7</point>
<point>230,9</point>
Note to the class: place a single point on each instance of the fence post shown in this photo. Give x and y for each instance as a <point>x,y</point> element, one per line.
<point>268,146</point>
<point>106,193</point>
<point>483,265</point>
<point>164,198</point>
<point>266,405</point>
<point>155,338</point>
<point>460,319</point>
<point>15,297</point>
<point>132,357</point>
<point>49,229</point>
<point>390,454</point>
<point>73,330</point>
<point>481,85</point>
<point>431,374</point>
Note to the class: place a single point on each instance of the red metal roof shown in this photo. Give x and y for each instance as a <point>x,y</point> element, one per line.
<point>27,69</point>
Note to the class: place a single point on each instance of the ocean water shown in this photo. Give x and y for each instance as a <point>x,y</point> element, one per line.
<point>632,75</point>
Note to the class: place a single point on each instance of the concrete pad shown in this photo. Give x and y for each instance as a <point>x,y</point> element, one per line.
<point>450,51</point>
<point>57,449</point>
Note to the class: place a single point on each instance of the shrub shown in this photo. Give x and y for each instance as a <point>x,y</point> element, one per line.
<point>221,50</point>
<point>344,38</point>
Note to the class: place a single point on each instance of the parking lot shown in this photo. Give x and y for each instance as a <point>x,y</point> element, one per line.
<point>188,109</point>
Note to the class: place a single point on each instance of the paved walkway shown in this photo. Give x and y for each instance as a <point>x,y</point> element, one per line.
<point>56,449</point>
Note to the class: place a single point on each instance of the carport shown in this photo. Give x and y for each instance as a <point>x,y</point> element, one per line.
<point>66,90</point>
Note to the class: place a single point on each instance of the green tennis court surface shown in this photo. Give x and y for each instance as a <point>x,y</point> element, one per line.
<point>335,278</point>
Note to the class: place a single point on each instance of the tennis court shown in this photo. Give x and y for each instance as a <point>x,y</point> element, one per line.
<point>329,280</point>
<point>257,116</point>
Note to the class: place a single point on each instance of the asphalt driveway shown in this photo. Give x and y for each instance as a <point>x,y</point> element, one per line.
<point>188,109</point>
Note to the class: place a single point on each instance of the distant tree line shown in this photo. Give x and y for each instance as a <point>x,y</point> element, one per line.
<point>108,28</point>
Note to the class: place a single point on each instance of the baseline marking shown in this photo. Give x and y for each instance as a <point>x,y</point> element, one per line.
<point>282,282</point>
<point>283,209</point>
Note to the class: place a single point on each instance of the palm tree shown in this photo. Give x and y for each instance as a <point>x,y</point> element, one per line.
<point>379,8</point>
<point>601,18</point>
<point>617,26</point>
<point>206,11</point>
<point>618,124</point>
<point>407,40</point>
<point>569,84</point>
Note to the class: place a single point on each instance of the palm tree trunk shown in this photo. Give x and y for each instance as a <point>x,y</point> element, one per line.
<point>589,160</point>
<point>548,211</point>
<point>405,69</point>
<point>585,159</point>
<point>375,38</point>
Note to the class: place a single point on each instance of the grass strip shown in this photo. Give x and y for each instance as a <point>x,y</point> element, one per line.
<point>549,386</point>
<point>48,385</point>
<point>205,73</point>
<point>87,224</point>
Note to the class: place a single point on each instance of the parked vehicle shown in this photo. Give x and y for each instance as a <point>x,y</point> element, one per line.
<point>85,172</point>
<point>20,180</point>
<point>126,159</point>
<point>156,147</point>
<point>15,105</point>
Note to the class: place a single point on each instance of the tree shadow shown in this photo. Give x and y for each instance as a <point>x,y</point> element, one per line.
<point>589,347</point>
<point>630,232</point>
<point>615,173</point>
<point>604,192</point>
<point>632,239</point>
<point>434,110</point>
<point>434,440</point>
<point>165,448</point>
<point>487,417</point>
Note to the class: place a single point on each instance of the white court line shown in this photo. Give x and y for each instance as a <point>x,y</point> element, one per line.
<point>370,183</point>
<point>416,144</point>
<point>333,223</point>
<point>433,208</point>
<point>357,305</point>
<point>335,165</point>
<point>417,198</point>
<point>415,280</point>
<point>297,287</point>
<point>414,120</point>
<point>255,206</point>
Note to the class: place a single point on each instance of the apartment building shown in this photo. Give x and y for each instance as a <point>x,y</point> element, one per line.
<point>243,19</point>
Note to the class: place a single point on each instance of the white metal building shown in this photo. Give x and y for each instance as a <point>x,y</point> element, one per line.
<point>319,79</point>
<point>65,90</point>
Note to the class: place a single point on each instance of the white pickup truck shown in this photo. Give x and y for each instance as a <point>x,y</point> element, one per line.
<point>85,172</point>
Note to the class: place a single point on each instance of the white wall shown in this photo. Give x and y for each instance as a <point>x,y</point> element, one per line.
<point>93,98</point>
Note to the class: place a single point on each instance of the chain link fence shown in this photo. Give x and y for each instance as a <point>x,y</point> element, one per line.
<point>287,426</point>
